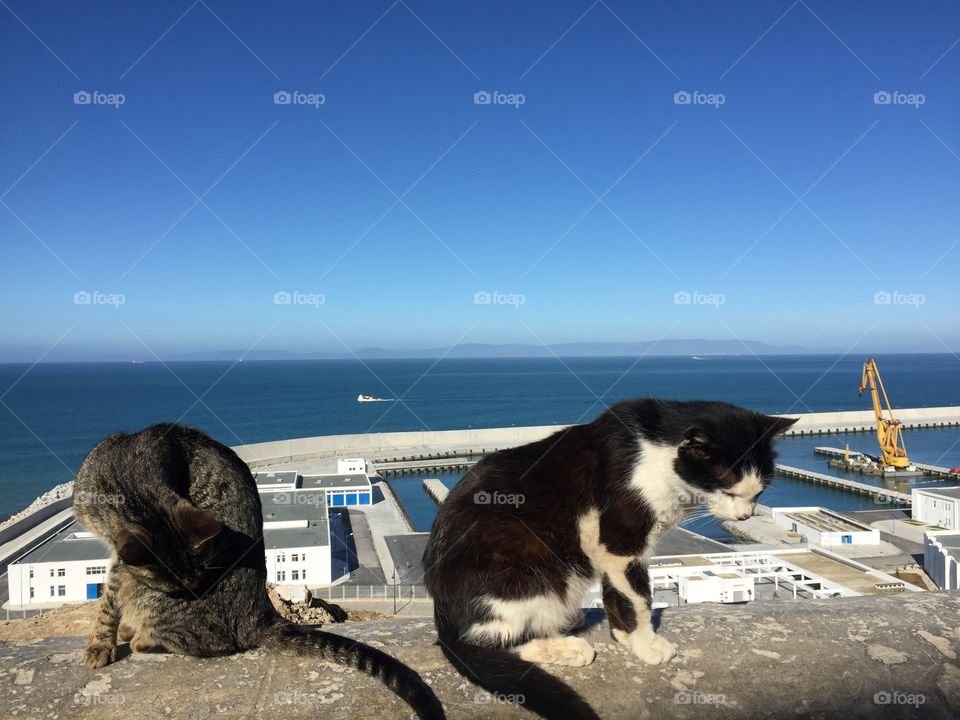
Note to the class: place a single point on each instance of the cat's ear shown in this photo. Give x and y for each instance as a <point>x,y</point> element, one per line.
<point>697,443</point>
<point>196,524</point>
<point>773,425</point>
<point>133,549</point>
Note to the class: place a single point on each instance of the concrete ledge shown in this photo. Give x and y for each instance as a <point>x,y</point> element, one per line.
<point>807,659</point>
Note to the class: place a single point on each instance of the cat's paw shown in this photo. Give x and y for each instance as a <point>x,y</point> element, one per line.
<point>654,651</point>
<point>125,633</point>
<point>97,655</point>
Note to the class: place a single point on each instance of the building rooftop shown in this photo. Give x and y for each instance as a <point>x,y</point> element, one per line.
<point>309,505</point>
<point>335,481</point>
<point>65,546</point>
<point>285,477</point>
<point>952,492</point>
<point>826,521</point>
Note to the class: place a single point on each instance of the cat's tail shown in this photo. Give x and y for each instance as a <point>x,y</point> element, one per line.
<point>290,639</point>
<point>509,679</point>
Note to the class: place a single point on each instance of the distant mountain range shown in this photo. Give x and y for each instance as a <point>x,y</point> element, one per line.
<point>520,350</point>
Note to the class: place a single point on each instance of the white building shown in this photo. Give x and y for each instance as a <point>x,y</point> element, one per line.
<point>941,558</point>
<point>797,573</point>
<point>824,527</point>
<point>937,506</point>
<point>714,586</point>
<point>71,565</point>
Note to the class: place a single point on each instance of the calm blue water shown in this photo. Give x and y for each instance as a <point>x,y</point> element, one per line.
<point>52,414</point>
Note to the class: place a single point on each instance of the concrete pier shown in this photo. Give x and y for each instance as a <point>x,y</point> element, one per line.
<point>436,490</point>
<point>402,446</point>
<point>881,494</point>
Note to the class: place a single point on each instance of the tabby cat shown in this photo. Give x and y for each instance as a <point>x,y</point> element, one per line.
<point>182,516</point>
<point>529,530</point>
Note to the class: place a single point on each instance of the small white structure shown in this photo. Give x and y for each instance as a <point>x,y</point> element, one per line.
<point>351,466</point>
<point>824,527</point>
<point>941,558</point>
<point>711,586</point>
<point>937,506</point>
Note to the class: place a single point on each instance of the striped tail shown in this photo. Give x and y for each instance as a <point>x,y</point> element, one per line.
<point>289,639</point>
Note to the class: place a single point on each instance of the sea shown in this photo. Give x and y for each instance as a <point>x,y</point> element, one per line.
<point>52,414</point>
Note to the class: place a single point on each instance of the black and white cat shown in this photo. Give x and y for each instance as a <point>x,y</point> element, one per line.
<point>528,530</point>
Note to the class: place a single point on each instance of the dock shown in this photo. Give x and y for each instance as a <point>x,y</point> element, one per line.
<point>927,469</point>
<point>411,465</point>
<point>881,494</point>
<point>435,490</point>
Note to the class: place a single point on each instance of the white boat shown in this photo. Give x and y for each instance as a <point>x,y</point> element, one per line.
<point>368,398</point>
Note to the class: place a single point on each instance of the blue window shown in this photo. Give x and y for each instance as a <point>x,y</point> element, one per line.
<point>364,498</point>
<point>94,590</point>
<point>351,498</point>
<point>337,500</point>
<point>848,539</point>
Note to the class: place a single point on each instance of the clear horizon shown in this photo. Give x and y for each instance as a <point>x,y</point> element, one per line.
<point>186,178</point>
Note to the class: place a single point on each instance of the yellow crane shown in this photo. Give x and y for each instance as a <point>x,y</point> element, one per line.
<point>889,429</point>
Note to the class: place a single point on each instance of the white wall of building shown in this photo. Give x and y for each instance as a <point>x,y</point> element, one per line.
<point>824,538</point>
<point>299,566</point>
<point>54,582</point>
<point>942,567</point>
<point>351,466</point>
<point>934,509</point>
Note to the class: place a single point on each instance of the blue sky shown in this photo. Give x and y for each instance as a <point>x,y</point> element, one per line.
<point>787,202</point>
